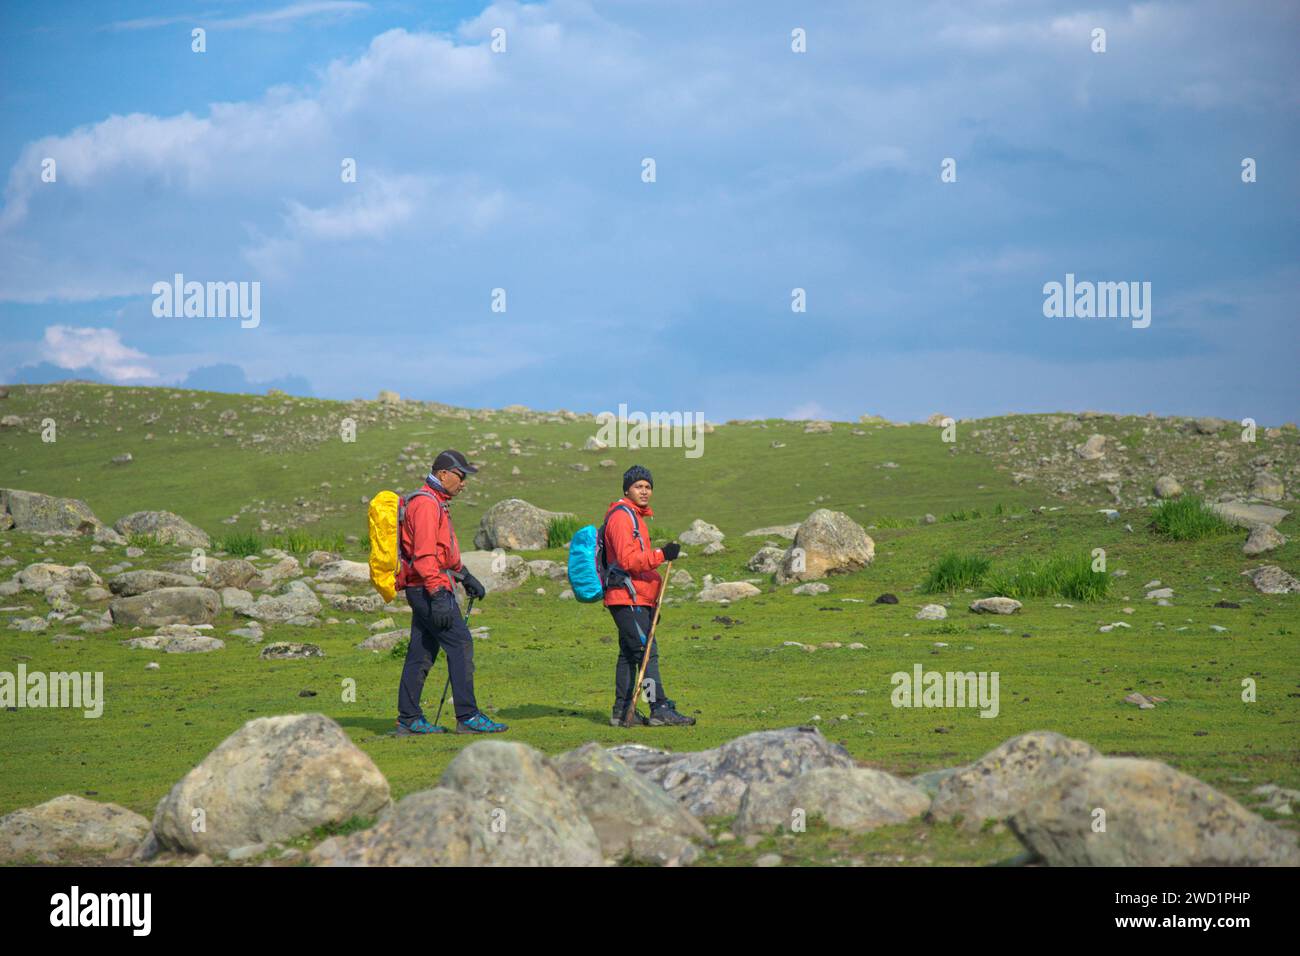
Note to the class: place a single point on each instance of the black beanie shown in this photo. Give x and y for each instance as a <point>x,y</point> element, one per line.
<point>634,474</point>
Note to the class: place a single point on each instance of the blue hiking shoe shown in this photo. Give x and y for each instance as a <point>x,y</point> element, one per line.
<point>480,723</point>
<point>418,726</point>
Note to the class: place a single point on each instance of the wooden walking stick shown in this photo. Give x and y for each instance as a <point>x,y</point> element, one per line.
<point>645,654</point>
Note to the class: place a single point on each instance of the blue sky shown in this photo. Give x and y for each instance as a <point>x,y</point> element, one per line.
<point>775,170</point>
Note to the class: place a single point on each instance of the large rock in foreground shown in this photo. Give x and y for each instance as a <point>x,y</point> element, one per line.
<point>1008,778</point>
<point>711,782</point>
<point>164,527</point>
<point>499,803</point>
<point>70,825</point>
<point>848,798</point>
<point>516,525</point>
<point>828,542</point>
<point>1154,816</point>
<point>275,778</point>
<point>167,606</point>
<point>632,816</point>
<point>45,514</point>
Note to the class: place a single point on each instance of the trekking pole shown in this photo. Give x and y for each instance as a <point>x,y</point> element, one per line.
<point>438,716</point>
<point>645,654</point>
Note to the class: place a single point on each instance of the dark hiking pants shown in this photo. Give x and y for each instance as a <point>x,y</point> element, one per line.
<point>633,629</point>
<point>426,639</point>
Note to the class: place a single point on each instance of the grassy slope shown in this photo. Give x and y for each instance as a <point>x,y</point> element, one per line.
<point>547,667</point>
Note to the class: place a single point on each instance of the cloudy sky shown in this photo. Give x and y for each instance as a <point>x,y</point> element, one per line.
<point>522,170</point>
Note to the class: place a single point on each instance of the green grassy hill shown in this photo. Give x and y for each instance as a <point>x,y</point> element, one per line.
<point>1007,488</point>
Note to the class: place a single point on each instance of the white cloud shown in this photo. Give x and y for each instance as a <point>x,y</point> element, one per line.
<point>102,350</point>
<point>267,19</point>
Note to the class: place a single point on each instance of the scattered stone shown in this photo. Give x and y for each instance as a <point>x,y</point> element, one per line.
<point>383,642</point>
<point>169,605</point>
<point>130,583</point>
<point>828,542</point>
<point>1244,515</point>
<point>1093,449</point>
<point>42,577</point>
<point>701,533</point>
<point>164,527</point>
<point>1266,486</point>
<point>1143,702</point>
<point>766,560</point>
<point>1167,487</point>
<point>932,612</point>
<point>297,601</point>
<point>1263,538</point>
<point>290,650</point>
<point>344,572</point>
<point>886,598</point>
<point>45,514</point>
<point>1270,579</point>
<point>995,605</point>
<point>728,591</point>
<point>812,587</point>
<point>787,531</point>
<point>496,570</point>
<point>516,525</point>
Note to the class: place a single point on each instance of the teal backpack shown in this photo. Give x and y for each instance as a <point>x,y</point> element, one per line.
<point>590,571</point>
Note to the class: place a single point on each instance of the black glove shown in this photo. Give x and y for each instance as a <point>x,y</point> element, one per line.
<point>441,616</point>
<point>671,550</point>
<point>473,587</point>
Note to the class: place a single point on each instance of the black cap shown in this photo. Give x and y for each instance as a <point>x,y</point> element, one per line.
<point>452,460</point>
<point>634,474</point>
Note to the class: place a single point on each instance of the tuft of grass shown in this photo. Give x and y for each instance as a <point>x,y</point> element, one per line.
<point>300,542</point>
<point>561,530</point>
<point>963,515</point>
<point>1186,519</point>
<point>138,539</point>
<point>240,543</point>
<point>955,571</point>
<point>1067,576</point>
<point>895,522</point>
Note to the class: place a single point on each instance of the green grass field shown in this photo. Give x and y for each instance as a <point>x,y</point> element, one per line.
<point>547,667</point>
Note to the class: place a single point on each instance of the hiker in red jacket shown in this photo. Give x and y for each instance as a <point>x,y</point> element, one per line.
<point>632,590</point>
<point>430,561</point>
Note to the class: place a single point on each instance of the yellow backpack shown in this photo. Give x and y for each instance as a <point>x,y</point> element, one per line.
<point>386,515</point>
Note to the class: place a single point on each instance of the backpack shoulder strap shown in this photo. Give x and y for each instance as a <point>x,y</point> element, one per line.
<point>402,501</point>
<point>636,526</point>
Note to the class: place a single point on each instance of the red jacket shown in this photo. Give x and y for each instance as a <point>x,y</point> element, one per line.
<point>637,558</point>
<point>429,545</point>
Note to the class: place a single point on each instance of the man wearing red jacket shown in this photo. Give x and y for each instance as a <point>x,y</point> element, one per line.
<point>430,561</point>
<point>631,591</point>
